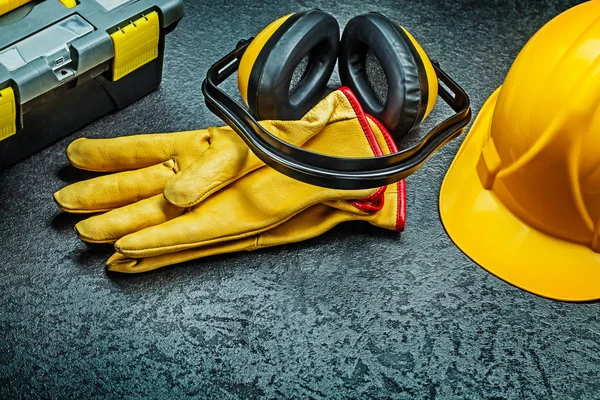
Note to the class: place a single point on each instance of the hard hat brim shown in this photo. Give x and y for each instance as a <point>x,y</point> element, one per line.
<point>486,231</point>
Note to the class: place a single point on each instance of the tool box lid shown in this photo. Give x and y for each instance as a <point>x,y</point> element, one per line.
<point>46,44</point>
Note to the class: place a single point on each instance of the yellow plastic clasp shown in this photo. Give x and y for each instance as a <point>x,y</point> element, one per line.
<point>9,5</point>
<point>68,3</point>
<point>136,44</point>
<point>8,113</point>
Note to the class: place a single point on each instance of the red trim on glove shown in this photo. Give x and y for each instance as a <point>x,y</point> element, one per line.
<point>401,213</point>
<point>362,119</point>
<point>374,202</point>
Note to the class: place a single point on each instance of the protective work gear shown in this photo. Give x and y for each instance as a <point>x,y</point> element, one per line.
<point>522,197</point>
<point>286,66</point>
<point>220,191</point>
<point>284,70</point>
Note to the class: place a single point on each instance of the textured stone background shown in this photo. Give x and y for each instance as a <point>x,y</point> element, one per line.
<point>354,313</point>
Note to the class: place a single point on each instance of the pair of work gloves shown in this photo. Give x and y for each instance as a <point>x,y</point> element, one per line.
<point>182,196</point>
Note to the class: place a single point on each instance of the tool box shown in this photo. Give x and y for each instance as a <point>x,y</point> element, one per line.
<point>65,63</point>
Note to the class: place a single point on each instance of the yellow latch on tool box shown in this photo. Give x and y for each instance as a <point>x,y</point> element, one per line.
<point>8,113</point>
<point>69,3</point>
<point>136,44</point>
<point>9,5</point>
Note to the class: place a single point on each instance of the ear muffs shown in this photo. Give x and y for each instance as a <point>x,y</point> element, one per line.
<point>388,71</point>
<point>286,67</point>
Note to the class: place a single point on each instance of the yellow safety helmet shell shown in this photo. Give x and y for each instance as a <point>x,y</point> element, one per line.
<point>522,197</point>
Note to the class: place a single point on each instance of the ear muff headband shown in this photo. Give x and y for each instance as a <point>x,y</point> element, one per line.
<point>322,170</point>
<point>312,36</point>
<point>407,94</point>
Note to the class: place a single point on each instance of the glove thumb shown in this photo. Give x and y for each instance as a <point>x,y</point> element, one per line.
<point>226,160</point>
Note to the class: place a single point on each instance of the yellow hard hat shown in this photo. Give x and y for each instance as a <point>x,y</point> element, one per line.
<point>522,197</point>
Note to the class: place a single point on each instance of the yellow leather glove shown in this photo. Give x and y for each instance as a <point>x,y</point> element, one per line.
<point>384,208</point>
<point>183,168</point>
<point>308,224</point>
<point>262,200</point>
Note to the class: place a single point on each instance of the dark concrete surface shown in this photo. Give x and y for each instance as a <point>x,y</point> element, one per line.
<point>355,313</point>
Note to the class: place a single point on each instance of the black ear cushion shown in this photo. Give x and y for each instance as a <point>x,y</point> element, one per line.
<point>311,38</point>
<point>407,88</point>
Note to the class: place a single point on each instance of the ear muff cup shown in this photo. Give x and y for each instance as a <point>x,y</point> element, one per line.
<point>407,94</point>
<point>311,39</point>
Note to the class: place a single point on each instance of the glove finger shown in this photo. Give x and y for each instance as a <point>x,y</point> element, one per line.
<point>111,191</point>
<point>122,153</point>
<point>121,263</point>
<point>113,225</point>
<point>306,225</point>
<point>229,158</point>
<point>190,230</point>
<point>231,214</point>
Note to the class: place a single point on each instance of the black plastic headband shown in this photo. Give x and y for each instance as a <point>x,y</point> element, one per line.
<point>329,171</point>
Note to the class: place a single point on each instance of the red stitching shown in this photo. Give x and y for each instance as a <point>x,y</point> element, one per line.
<point>388,138</point>
<point>375,196</point>
<point>375,201</point>
<point>362,119</point>
<point>401,211</point>
<point>372,207</point>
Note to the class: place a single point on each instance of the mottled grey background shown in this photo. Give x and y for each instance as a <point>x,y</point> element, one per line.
<point>355,313</point>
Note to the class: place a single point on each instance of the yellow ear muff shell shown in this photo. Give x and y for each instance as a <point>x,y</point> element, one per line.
<point>432,81</point>
<point>252,52</point>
